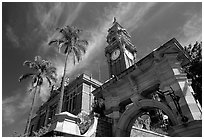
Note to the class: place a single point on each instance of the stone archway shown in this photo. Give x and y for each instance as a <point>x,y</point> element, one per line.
<point>126,119</point>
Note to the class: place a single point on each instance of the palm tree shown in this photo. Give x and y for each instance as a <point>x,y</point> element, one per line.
<point>41,69</point>
<point>72,45</point>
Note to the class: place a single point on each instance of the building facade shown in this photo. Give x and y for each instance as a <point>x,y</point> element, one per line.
<point>154,87</point>
<point>77,98</point>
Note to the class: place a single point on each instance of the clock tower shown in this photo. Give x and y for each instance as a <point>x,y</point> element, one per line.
<point>120,52</point>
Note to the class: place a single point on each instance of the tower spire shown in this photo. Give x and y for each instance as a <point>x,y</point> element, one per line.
<point>120,52</point>
<point>114,20</point>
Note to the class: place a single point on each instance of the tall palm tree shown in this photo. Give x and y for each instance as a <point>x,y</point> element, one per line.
<point>42,69</point>
<point>72,44</point>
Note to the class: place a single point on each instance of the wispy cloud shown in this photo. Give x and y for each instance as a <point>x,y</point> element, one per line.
<point>57,15</point>
<point>8,110</point>
<point>14,107</point>
<point>12,36</point>
<point>73,13</point>
<point>192,30</point>
<point>48,15</point>
<point>128,14</point>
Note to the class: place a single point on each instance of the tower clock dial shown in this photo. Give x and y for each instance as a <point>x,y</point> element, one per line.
<point>115,54</point>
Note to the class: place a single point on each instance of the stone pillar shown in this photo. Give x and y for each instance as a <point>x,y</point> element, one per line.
<point>65,122</point>
<point>113,104</point>
<point>174,77</point>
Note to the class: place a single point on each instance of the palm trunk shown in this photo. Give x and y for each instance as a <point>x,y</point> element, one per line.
<point>30,113</point>
<point>60,102</point>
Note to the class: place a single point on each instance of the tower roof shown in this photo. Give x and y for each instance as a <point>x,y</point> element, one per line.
<point>116,26</point>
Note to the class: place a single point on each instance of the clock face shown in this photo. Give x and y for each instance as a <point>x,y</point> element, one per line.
<point>115,54</point>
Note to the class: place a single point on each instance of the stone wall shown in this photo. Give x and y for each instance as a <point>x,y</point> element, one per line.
<point>104,127</point>
<point>137,132</point>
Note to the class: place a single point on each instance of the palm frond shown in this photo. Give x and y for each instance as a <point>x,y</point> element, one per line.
<point>60,29</point>
<point>27,63</point>
<point>25,76</point>
<point>81,48</point>
<point>31,65</point>
<point>74,58</point>
<point>40,80</point>
<point>52,41</point>
<point>49,81</point>
<point>66,45</point>
<point>51,70</point>
<point>69,50</point>
<point>71,42</point>
<point>51,73</point>
<point>38,58</point>
<point>83,42</point>
<point>77,53</point>
<point>53,78</point>
<point>64,31</point>
<point>34,81</point>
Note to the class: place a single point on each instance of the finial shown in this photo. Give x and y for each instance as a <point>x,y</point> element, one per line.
<point>114,20</point>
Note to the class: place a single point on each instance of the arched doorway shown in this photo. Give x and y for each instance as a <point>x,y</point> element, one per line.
<point>128,117</point>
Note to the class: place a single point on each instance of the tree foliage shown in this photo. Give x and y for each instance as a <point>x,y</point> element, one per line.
<point>71,44</point>
<point>86,121</point>
<point>194,68</point>
<point>41,69</point>
<point>98,106</point>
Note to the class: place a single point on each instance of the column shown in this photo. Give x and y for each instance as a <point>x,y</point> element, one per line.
<point>113,104</point>
<point>178,81</point>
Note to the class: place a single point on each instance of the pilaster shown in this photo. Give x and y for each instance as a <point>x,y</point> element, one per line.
<point>178,81</point>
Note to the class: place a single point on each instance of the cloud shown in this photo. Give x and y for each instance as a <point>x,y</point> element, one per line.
<point>48,14</point>
<point>73,13</point>
<point>192,30</point>
<point>14,107</point>
<point>128,14</point>
<point>44,91</point>
<point>12,36</point>
<point>8,110</point>
<point>57,15</point>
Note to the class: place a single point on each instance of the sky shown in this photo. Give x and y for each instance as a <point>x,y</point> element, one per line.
<point>28,27</point>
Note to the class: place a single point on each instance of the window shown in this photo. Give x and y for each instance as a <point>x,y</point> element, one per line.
<point>70,104</point>
<point>74,101</point>
<point>67,104</point>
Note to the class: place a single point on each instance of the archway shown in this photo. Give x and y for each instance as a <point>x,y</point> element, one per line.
<point>127,118</point>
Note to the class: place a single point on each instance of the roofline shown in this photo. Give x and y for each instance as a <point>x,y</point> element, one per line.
<point>131,68</point>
